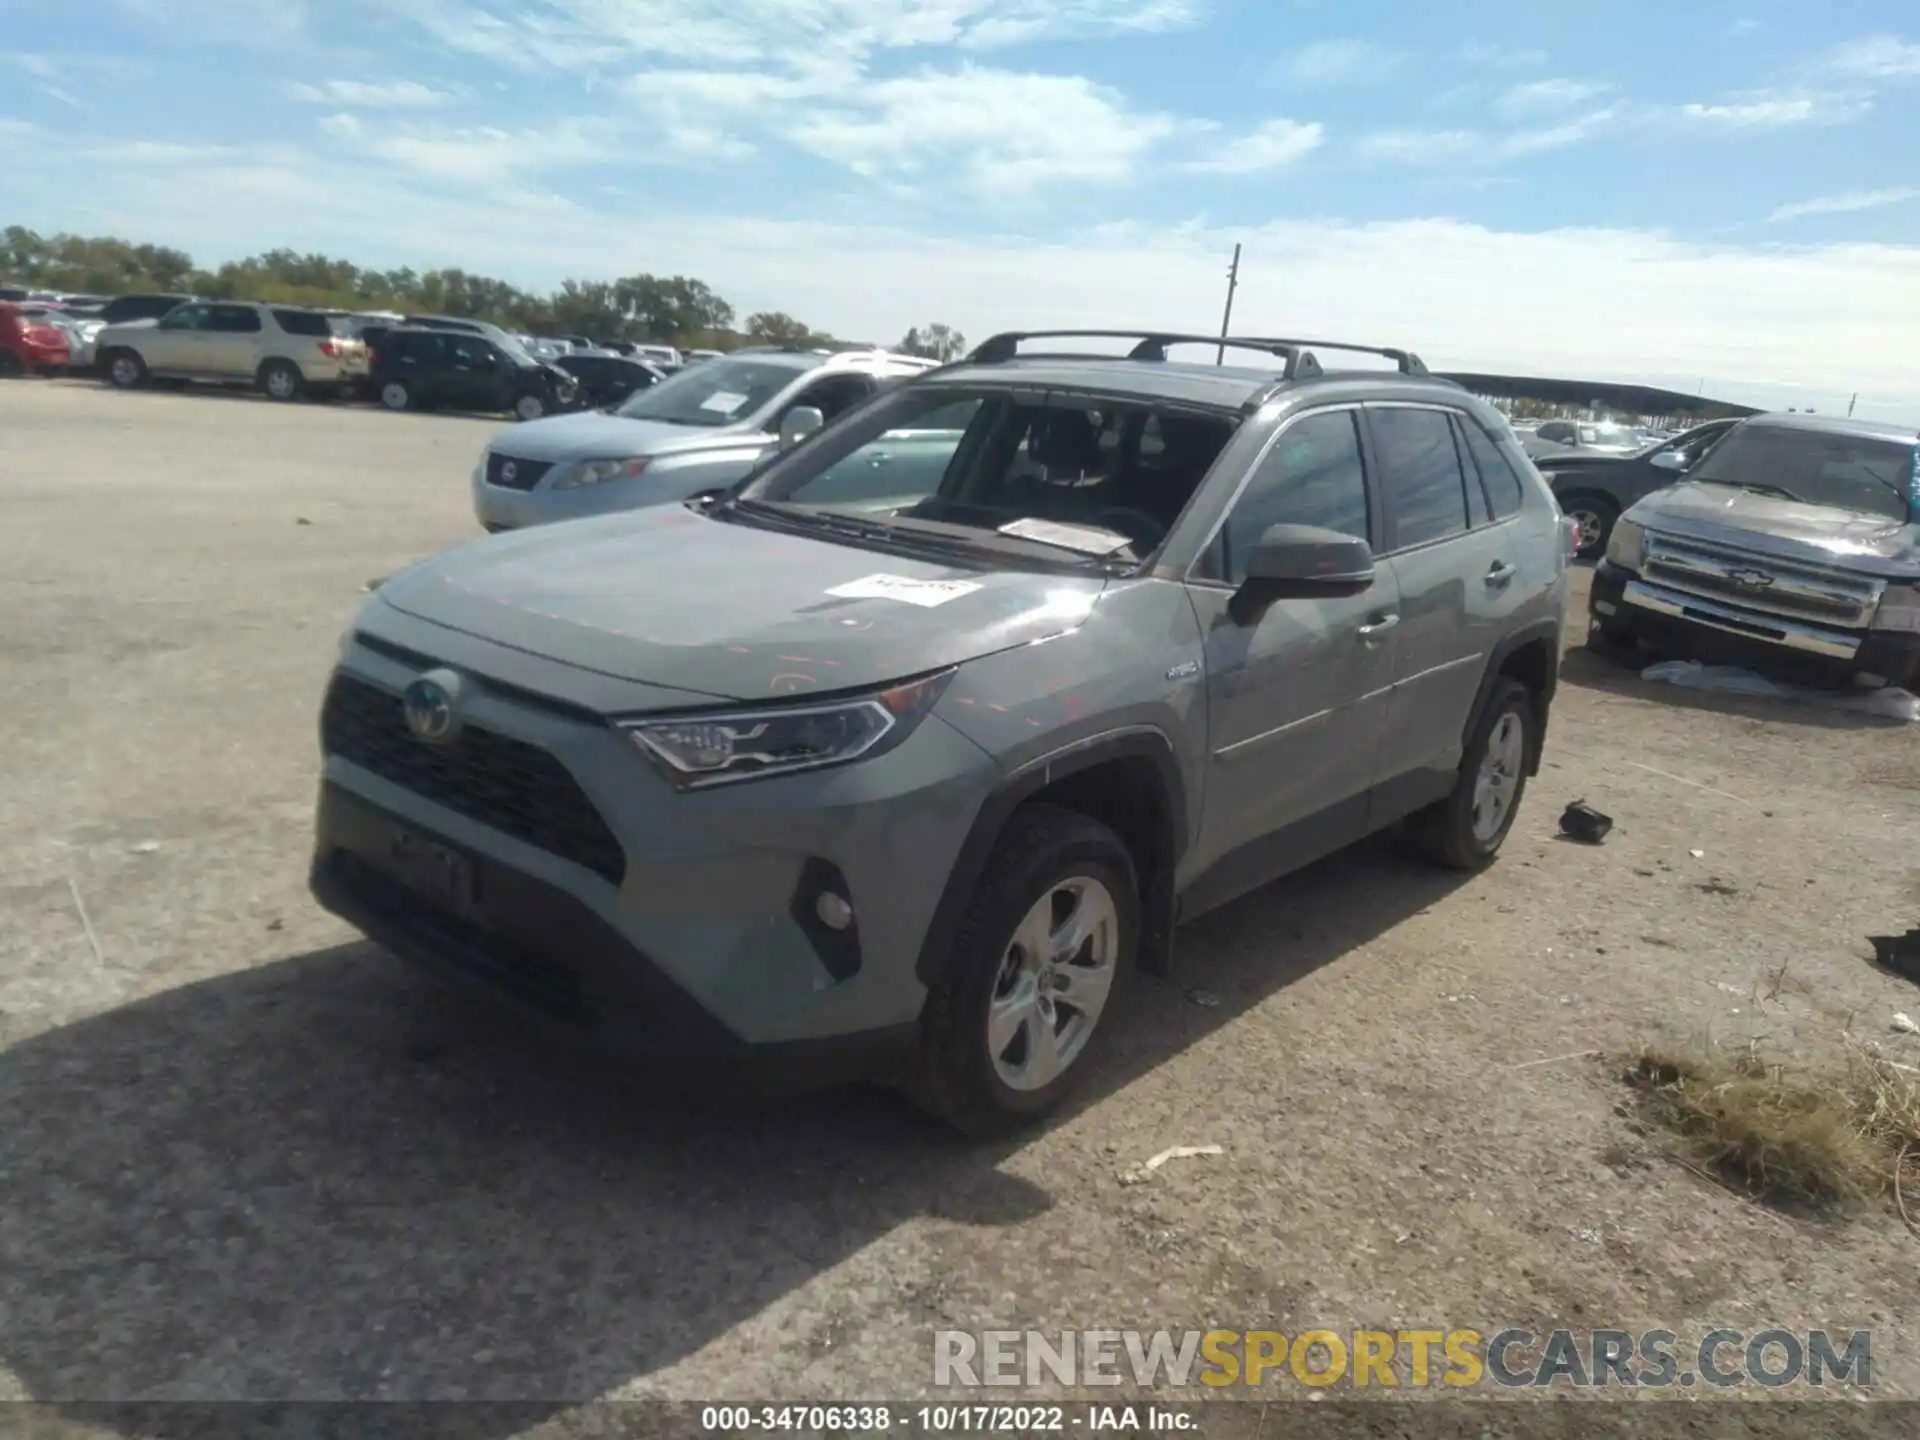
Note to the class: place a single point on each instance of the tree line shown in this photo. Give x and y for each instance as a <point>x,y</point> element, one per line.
<point>672,310</point>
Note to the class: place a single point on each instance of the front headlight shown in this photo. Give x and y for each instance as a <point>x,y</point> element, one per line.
<point>1899,609</point>
<point>725,745</point>
<point>1627,547</point>
<point>598,472</point>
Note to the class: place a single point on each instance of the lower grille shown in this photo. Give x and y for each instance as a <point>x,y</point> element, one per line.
<point>1763,584</point>
<point>509,785</point>
<point>510,472</point>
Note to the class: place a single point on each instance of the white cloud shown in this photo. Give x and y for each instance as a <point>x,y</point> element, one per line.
<point>157,152</point>
<point>1501,57</point>
<point>366,95</point>
<point>1473,147</point>
<point>1544,96</point>
<point>1757,114</point>
<point>1845,204</point>
<point>999,130</point>
<point>266,24</point>
<point>1268,146</point>
<point>475,155</point>
<point>1328,63</point>
<point>1422,147</point>
<point>1878,57</point>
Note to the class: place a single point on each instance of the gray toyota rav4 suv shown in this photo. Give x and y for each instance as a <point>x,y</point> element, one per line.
<point>894,759</point>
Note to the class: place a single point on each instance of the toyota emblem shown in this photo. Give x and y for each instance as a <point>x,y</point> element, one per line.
<point>429,707</point>
<point>510,471</point>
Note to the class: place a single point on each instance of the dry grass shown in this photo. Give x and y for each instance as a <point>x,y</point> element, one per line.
<point>1785,1139</point>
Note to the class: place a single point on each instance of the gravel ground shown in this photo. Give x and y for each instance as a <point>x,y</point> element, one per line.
<point>246,1156</point>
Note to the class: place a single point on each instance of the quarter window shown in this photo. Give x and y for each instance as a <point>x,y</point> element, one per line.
<point>1504,490</point>
<point>1313,475</point>
<point>1420,475</point>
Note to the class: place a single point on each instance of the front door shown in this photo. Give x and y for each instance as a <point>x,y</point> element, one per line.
<point>178,342</point>
<point>473,377</point>
<point>232,342</point>
<point>1457,578</point>
<point>1297,692</point>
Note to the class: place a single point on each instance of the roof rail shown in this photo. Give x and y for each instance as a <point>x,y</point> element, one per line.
<point>1298,362</point>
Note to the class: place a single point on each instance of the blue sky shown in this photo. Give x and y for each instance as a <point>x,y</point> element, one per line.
<point>1713,192</point>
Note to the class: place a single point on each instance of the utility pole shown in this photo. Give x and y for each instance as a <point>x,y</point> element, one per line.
<point>1851,403</point>
<point>1226,320</point>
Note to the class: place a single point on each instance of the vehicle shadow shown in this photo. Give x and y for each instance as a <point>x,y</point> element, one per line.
<point>328,1178</point>
<point>1591,671</point>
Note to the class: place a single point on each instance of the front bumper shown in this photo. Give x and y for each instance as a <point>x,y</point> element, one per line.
<point>1665,616</point>
<point>690,932</point>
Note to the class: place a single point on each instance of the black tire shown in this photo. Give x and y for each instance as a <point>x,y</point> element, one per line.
<point>1444,833</point>
<point>124,369</point>
<point>281,380</point>
<point>10,366</point>
<point>395,396</point>
<point>1612,639</point>
<point>1595,514</point>
<point>953,1077</point>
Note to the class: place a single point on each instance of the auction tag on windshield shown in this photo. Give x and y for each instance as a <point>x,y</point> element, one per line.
<point>924,593</point>
<point>724,401</point>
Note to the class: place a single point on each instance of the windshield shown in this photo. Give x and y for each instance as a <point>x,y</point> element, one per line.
<point>1610,435</point>
<point>718,393</point>
<point>1085,476</point>
<point>1843,472</point>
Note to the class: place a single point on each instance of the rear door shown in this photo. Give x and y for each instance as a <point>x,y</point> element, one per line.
<point>418,360</point>
<point>232,342</point>
<point>1455,565</point>
<point>1298,690</point>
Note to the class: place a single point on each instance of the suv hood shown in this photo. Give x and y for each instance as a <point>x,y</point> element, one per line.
<point>589,434</point>
<point>668,597</point>
<point>1872,544</point>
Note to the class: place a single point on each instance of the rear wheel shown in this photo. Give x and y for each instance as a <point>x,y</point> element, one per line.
<point>1465,830</point>
<point>1045,947</point>
<point>394,395</point>
<point>529,407</point>
<point>1594,516</point>
<point>282,380</point>
<point>10,366</point>
<point>125,370</point>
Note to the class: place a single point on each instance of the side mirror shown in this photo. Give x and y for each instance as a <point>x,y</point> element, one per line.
<point>1670,460</point>
<point>798,423</point>
<point>1306,562</point>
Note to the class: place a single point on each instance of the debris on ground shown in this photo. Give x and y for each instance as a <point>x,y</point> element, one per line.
<point>1698,854</point>
<point>1898,953</point>
<point>1141,1173</point>
<point>301,520</point>
<point>145,847</point>
<point>276,924</point>
<point>1889,702</point>
<point>1580,821</point>
<point>1205,999</point>
<point>1904,1024</point>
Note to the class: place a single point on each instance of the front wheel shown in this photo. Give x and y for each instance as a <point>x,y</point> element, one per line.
<point>1465,830</point>
<point>126,370</point>
<point>1593,517</point>
<point>1045,947</point>
<point>529,407</point>
<point>395,396</point>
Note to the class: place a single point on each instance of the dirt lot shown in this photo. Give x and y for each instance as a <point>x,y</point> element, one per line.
<point>243,1155</point>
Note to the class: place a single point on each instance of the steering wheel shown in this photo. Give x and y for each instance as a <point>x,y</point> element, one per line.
<point>1137,525</point>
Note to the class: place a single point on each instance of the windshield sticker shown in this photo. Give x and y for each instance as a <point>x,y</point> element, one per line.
<point>924,593</point>
<point>1088,539</point>
<point>724,402</point>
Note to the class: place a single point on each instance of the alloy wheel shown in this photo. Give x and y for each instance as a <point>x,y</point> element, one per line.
<point>1054,980</point>
<point>1498,782</point>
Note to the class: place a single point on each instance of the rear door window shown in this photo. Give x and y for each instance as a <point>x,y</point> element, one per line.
<point>1420,475</point>
<point>235,319</point>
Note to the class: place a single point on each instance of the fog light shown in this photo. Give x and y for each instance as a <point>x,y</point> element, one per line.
<point>835,912</point>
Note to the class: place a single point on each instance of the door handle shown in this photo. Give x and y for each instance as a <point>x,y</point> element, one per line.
<point>1500,574</point>
<point>1378,625</point>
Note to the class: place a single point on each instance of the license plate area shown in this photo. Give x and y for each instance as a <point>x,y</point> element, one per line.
<point>436,873</point>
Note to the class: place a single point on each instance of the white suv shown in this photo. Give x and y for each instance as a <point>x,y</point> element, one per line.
<point>700,430</point>
<point>285,350</point>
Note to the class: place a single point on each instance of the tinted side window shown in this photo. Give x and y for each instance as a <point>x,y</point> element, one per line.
<point>235,319</point>
<point>1503,484</point>
<point>1312,476</point>
<point>1420,477</point>
<point>302,322</point>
